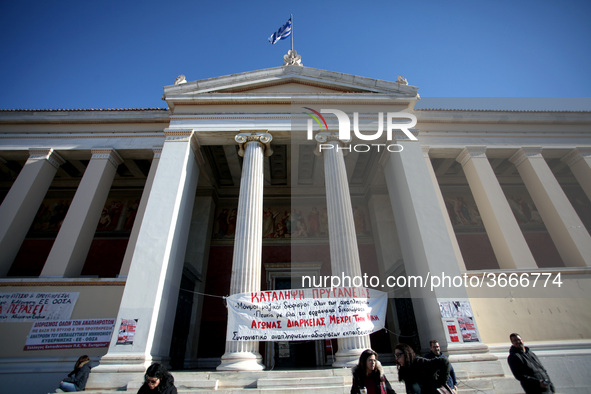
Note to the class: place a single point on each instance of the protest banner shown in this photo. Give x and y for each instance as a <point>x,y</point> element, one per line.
<point>305,314</point>
<point>23,307</point>
<point>70,334</point>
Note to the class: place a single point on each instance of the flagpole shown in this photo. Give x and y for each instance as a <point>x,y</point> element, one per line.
<point>291,18</point>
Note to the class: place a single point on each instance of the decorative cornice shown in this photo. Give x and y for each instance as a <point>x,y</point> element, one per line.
<point>78,136</point>
<point>290,99</point>
<point>178,134</point>
<point>271,76</point>
<point>524,153</point>
<point>157,151</point>
<point>262,137</point>
<point>46,154</point>
<point>471,152</point>
<point>576,154</point>
<point>182,135</point>
<point>42,282</point>
<point>109,154</point>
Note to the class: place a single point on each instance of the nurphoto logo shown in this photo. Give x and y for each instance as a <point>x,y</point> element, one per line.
<point>408,121</point>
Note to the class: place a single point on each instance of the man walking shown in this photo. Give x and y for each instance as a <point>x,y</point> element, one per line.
<point>436,352</point>
<point>527,368</point>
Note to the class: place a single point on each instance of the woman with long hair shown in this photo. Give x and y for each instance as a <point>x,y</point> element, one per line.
<point>368,376</point>
<point>76,380</point>
<point>157,380</point>
<point>420,375</point>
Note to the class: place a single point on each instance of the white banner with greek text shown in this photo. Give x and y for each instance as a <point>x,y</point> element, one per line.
<point>305,314</point>
<point>25,307</point>
<point>70,334</point>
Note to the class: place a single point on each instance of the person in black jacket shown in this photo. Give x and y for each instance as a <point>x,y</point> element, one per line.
<point>452,382</point>
<point>76,380</point>
<point>420,375</point>
<point>157,380</point>
<point>368,376</point>
<point>527,368</point>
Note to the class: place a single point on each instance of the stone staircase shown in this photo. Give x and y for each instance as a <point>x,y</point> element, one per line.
<point>485,377</point>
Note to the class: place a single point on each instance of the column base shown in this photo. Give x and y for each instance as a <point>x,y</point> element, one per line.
<point>115,371</point>
<point>128,363</point>
<point>347,358</point>
<point>469,352</point>
<point>241,361</point>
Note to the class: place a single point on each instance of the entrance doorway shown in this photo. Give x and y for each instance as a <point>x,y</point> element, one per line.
<point>292,354</point>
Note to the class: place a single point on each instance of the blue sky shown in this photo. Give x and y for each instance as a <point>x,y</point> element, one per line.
<point>119,54</point>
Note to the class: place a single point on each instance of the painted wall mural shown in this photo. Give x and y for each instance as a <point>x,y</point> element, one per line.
<point>117,215</point>
<point>285,221</point>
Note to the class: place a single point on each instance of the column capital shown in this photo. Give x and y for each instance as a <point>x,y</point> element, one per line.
<point>157,151</point>
<point>327,137</point>
<point>262,137</point>
<point>46,154</point>
<point>182,135</point>
<point>576,154</point>
<point>425,149</point>
<point>471,152</point>
<point>109,154</point>
<point>522,154</point>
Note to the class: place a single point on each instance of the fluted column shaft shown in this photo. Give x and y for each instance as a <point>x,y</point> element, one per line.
<point>344,253</point>
<point>246,261</point>
<point>20,206</point>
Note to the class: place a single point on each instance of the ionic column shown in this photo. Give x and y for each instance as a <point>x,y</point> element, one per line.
<point>248,241</point>
<point>579,161</point>
<point>504,233</point>
<point>344,254</point>
<point>69,251</point>
<point>20,206</point>
<point>137,224</point>
<point>566,229</point>
<point>151,291</point>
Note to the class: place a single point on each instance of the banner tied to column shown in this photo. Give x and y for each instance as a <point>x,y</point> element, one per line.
<point>305,314</point>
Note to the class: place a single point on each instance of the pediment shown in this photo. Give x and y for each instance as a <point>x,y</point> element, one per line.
<point>293,87</point>
<point>286,81</point>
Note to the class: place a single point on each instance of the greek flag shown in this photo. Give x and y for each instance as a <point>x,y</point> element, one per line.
<point>283,32</point>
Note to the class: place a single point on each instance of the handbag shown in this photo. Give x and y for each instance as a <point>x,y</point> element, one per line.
<point>445,390</point>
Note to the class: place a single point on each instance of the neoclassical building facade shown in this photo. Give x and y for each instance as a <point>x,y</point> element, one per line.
<point>152,216</point>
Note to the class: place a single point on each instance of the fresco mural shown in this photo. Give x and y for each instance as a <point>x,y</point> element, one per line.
<point>285,221</point>
<point>117,215</point>
<point>51,215</point>
<point>462,210</point>
<point>465,217</point>
<point>525,210</point>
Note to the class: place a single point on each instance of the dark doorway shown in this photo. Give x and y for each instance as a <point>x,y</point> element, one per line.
<point>182,321</point>
<point>292,354</point>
